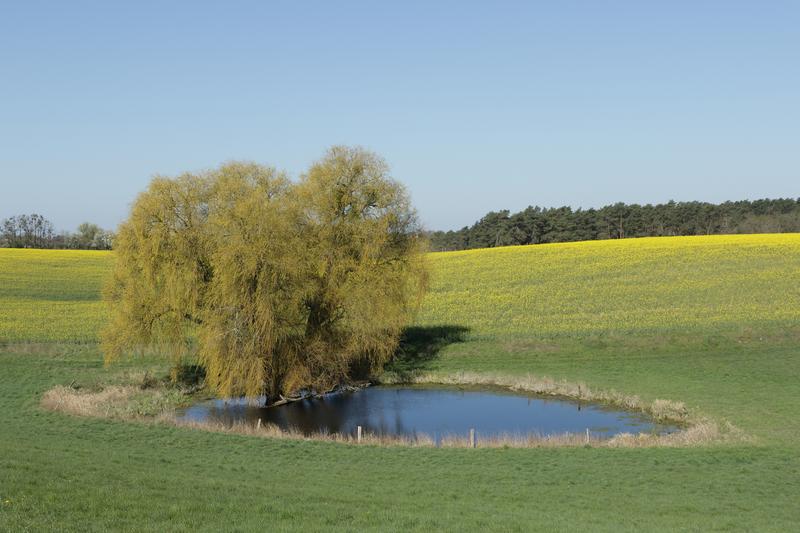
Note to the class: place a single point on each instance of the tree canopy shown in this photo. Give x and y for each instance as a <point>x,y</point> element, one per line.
<point>35,231</point>
<point>277,286</point>
<point>536,225</point>
<point>26,231</point>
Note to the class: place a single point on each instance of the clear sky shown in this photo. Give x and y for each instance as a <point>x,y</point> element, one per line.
<point>476,106</point>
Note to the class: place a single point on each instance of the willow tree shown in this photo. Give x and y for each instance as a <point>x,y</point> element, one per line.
<point>276,286</point>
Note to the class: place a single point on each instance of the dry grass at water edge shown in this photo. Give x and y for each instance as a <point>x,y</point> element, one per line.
<point>125,402</point>
<point>707,432</point>
<point>660,410</point>
<point>157,404</point>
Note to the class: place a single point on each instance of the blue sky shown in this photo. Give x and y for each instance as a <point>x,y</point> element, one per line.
<point>476,106</point>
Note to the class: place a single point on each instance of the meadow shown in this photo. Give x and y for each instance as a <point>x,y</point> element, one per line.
<point>710,321</point>
<point>51,295</point>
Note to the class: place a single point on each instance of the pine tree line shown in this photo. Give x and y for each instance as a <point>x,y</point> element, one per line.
<point>535,225</point>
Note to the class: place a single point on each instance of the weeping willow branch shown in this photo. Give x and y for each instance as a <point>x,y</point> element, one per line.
<point>281,287</point>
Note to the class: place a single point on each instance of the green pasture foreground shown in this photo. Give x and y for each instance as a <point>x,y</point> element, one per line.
<point>59,472</point>
<point>64,473</point>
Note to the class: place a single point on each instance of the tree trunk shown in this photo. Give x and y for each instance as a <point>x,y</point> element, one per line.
<point>318,315</point>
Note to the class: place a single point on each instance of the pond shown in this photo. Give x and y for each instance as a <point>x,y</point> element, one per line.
<point>409,411</point>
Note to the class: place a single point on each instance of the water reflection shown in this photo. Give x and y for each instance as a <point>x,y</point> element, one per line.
<point>408,411</point>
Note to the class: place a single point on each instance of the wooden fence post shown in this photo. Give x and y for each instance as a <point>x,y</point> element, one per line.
<point>358,433</point>
<point>472,443</point>
<point>258,426</point>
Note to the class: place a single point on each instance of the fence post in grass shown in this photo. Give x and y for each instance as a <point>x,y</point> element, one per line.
<point>472,438</point>
<point>258,425</point>
<point>358,433</point>
<point>587,435</point>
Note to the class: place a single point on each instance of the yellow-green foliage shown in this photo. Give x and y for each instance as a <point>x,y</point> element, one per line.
<point>51,295</point>
<point>281,286</point>
<point>573,289</point>
<point>650,284</point>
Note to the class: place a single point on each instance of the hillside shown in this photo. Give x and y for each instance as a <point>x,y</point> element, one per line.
<point>643,286</point>
<point>648,285</point>
<point>710,321</point>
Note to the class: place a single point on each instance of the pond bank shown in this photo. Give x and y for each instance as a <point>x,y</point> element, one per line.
<point>435,410</point>
<point>158,404</point>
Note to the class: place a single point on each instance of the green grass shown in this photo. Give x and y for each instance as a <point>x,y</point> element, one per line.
<point>62,472</point>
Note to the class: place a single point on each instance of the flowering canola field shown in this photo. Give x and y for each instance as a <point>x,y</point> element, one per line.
<point>567,289</point>
<point>51,295</point>
<point>622,286</point>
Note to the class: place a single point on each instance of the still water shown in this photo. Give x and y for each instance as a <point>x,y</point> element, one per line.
<point>409,411</point>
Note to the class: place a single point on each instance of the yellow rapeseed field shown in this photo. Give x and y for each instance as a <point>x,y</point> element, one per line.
<point>631,285</point>
<point>572,289</point>
<point>51,295</point>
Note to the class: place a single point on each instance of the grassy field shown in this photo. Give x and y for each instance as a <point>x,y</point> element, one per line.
<point>51,295</point>
<point>711,321</point>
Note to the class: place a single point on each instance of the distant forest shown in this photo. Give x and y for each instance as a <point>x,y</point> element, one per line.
<point>536,225</point>
<point>35,231</point>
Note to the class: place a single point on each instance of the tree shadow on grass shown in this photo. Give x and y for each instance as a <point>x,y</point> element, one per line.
<point>188,376</point>
<point>420,346</point>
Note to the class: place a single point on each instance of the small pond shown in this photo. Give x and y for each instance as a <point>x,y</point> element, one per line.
<point>413,410</point>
